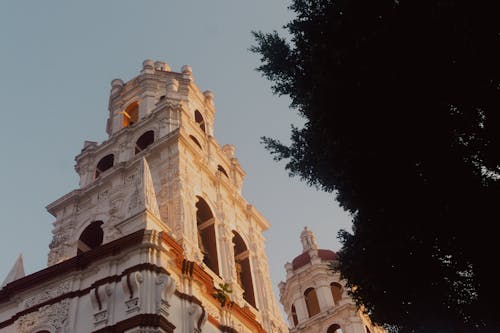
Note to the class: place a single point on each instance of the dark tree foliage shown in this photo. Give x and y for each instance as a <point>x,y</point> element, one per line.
<point>402,109</point>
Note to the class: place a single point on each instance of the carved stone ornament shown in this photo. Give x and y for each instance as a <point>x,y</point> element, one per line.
<point>198,317</point>
<point>100,318</point>
<point>49,293</point>
<point>130,286</point>
<point>173,105</point>
<point>165,288</point>
<point>212,310</point>
<point>59,244</point>
<point>132,305</point>
<point>100,299</point>
<point>53,315</point>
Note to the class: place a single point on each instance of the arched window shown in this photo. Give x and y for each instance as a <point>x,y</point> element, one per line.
<point>311,302</point>
<point>335,328</point>
<point>131,114</point>
<point>90,238</point>
<point>199,120</point>
<point>196,142</point>
<point>336,292</point>
<point>222,170</point>
<point>104,164</point>
<point>144,141</point>
<point>206,235</point>
<point>294,316</point>
<point>243,270</point>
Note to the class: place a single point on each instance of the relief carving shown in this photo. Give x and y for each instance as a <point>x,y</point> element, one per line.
<point>48,294</point>
<point>54,315</point>
<point>165,288</point>
<point>100,299</point>
<point>130,286</point>
<point>198,317</point>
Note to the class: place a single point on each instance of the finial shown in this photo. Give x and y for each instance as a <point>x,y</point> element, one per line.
<point>229,150</point>
<point>162,66</point>
<point>148,63</point>
<point>308,240</point>
<point>148,66</point>
<point>116,86</point>
<point>209,96</point>
<point>117,83</point>
<point>187,70</point>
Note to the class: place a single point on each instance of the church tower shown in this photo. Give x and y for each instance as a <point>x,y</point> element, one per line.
<point>157,238</point>
<point>314,297</point>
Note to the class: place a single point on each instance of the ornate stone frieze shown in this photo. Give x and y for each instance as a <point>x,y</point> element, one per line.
<point>54,315</point>
<point>48,294</point>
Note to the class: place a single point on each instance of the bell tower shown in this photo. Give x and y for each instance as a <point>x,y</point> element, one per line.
<point>157,234</point>
<point>314,296</point>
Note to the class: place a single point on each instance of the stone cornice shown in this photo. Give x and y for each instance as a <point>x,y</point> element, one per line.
<point>76,263</point>
<point>82,261</point>
<point>81,292</point>
<point>51,208</point>
<point>140,320</point>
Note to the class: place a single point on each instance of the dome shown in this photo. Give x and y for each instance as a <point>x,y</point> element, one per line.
<point>304,258</point>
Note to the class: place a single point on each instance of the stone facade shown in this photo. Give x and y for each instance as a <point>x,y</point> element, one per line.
<point>157,222</point>
<point>315,299</point>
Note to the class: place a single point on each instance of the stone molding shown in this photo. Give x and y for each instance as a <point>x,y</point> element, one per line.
<point>41,305</point>
<point>141,321</point>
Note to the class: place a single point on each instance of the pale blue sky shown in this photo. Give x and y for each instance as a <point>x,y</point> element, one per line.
<point>57,59</point>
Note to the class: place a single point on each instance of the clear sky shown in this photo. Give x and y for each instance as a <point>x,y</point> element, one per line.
<point>57,59</point>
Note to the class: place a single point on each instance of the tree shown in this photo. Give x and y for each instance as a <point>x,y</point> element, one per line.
<point>402,122</point>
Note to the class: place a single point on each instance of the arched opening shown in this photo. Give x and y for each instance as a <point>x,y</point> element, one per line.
<point>207,241</point>
<point>336,289</point>
<point>104,164</point>
<point>144,141</point>
<point>196,142</point>
<point>222,170</point>
<point>311,302</point>
<point>45,331</point>
<point>198,118</point>
<point>335,328</point>
<point>90,238</point>
<point>131,114</point>
<point>367,329</point>
<point>243,270</point>
<point>294,316</point>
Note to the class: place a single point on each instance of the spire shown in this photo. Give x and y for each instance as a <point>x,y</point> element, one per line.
<point>149,190</point>
<point>144,196</point>
<point>308,240</point>
<point>16,272</point>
